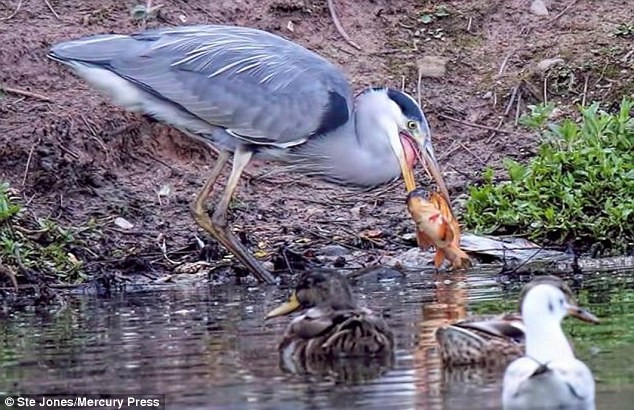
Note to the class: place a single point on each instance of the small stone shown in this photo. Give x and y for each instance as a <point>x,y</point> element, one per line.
<point>547,63</point>
<point>538,8</point>
<point>409,237</point>
<point>488,95</point>
<point>411,259</point>
<point>268,265</point>
<point>340,262</point>
<point>123,224</point>
<point>433,66</point>
<point>334,250</point>
<point>165,190</point>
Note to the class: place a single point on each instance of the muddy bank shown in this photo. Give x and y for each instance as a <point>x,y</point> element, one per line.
<point>73,158</point>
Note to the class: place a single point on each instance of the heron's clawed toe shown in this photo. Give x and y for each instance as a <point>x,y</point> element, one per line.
<point>225,236</point>
<point>200,215</point>
<point>219,228</point>
<point>219,220</point>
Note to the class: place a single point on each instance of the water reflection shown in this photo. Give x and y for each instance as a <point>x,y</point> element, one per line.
<point>210,348</point>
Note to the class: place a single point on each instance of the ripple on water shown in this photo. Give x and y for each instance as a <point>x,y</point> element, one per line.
<point>210,348</point>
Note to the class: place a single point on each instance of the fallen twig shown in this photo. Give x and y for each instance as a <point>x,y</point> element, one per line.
<point>472,124</point>
<point>518,107</point>
<point>394,51</point>
<point>453,147</point>
<point>28,162</point>
<point>561,13</point>
<point>326,238</point>
<point>472,153</point>
<point>24,93</point>
<point>505,61</point>
<point>605,66</point>
<point>498,128</point>
<point>10,16</point>
<point>419,85</point>
<point>52,10</point>
<point>342,32</point>
<point>585,91</point>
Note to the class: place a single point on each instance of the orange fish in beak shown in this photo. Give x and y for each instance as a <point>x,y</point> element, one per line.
<point>437,226</point>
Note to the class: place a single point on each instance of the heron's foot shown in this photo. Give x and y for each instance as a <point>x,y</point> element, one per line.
<point>219,220</point>
<point>201,217</point>
<point>255,266</point>
<point>224,235</point>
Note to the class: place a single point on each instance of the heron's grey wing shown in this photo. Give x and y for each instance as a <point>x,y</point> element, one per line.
<point>260,87</point>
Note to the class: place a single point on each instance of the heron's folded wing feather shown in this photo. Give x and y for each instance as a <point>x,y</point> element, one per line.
<point>264,89</point>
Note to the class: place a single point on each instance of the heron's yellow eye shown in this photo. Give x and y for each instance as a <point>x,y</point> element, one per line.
<point>411,125</point>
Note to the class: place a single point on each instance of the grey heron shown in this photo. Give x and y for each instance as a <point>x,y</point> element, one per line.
<point>253,94</point>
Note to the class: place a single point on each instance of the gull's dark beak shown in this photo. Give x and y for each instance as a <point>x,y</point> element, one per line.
<point>582,314</point>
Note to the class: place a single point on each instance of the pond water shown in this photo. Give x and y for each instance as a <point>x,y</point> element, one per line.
<point>209,347</point>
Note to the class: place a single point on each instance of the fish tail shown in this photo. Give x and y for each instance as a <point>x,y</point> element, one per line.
<point>458,258</point>
<point>439,258</point>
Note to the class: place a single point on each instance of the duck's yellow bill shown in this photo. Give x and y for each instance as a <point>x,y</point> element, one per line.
<point>284,309</point>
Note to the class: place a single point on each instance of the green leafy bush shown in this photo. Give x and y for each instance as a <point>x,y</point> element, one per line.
<point>27,242</point>
<point>579,187</point>
<point>8,208</point>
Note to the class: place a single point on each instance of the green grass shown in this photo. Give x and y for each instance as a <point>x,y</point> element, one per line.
<point>579,187</point>
<point>38,244</point>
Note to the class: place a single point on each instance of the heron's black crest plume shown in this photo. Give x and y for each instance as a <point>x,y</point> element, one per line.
<point>407,105</point>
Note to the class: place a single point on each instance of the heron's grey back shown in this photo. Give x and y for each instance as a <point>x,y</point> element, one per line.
<point>260,87</point>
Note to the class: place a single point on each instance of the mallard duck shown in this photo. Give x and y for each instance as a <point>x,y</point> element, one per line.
<point>549,375</point>
<point>492,340</point>
<point>332,324</point>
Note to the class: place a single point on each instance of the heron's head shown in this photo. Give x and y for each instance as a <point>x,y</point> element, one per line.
<point>403,122</point>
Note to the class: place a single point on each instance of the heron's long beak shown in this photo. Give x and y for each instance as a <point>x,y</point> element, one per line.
<point>284,309</point>
<point>582,314</point>
<point>408,175</point>
<point>423,140</point>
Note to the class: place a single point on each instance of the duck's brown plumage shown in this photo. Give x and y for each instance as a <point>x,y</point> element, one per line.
<point>489,340</point>
<point>332,325</point>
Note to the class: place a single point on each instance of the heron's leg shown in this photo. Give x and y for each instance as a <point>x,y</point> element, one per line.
<point>198,206</point>
<point>241,159</point>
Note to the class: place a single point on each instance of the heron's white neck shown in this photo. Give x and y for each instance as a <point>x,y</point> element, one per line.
<point>357,153</point>
<point>545,339</point>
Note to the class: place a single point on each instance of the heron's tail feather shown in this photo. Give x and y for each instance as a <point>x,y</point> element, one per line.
<point>95,50</point>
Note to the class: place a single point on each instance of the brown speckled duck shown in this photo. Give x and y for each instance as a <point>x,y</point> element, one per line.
<point>495,339</point>
<point>332,325</point>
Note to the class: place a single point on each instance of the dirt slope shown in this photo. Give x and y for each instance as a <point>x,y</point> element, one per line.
<point>89,162</point>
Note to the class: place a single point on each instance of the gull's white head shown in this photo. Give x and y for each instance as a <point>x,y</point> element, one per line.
<point>548,301</point>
